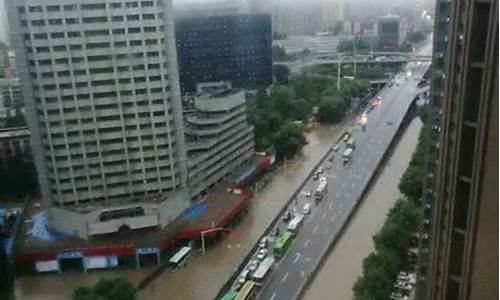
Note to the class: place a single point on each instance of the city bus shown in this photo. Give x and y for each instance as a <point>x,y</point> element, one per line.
<point>246,292</point>
<point>262,270</point>
<point>321,190</point>
<point>230,295</point>
<point>282,244</point>
<point>295,223</point>
<point>179,259</point>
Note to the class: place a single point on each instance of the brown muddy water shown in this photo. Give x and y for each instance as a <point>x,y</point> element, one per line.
<point>344,263</point>
<point>202,278</point>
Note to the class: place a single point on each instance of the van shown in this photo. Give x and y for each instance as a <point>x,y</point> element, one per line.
<point>306,209</point>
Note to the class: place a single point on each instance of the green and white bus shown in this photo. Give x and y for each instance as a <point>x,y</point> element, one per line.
<point>282,244</point>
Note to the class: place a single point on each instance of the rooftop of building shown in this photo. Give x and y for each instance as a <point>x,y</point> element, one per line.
<point>14,132</point>
<point>201,215</point>
<point>220,100</point>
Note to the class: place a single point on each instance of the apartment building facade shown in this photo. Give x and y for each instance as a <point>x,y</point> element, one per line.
<point>460,216</point>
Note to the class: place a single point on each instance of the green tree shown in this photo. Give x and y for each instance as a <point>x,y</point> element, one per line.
<point>281,74</point>
<point>410,183</point>
<point>330,110</point>
<point>15,121</point>
<point>19,176</point>
<point>106,289</point>
<point>415,36</point>
<point>289,140</point>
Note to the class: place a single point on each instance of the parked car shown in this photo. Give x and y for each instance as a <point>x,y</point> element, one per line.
<point>336,148</point>
<point>253,264</point>
<point>262,254</point>
<point>331,158</point>
<point>263,242</point>
<point>308,194</point>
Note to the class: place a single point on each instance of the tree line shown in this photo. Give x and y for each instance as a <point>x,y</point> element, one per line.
<point>274,115</point>
<point>381,267</point>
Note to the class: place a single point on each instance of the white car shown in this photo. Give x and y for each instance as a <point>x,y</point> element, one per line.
<point>252,265</point>
<point>320,170</point>
<point>262,254</point>
<point>308,194</point>
<point>336,148</point>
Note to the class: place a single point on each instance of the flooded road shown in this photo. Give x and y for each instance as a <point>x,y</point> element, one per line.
<point>202,278</point>
<point>344,263</point>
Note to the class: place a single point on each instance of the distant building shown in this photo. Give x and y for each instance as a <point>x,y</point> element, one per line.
<point>234,48</point>
<point>391,32</point>
<point>11,99</point>
<point>218,137</point>
<point>306,18</point>
<point>458,255</point>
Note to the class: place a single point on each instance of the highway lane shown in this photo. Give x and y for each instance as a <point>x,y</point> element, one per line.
<point>345,188</point>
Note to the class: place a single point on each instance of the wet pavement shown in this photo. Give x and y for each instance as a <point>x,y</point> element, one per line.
<point>203,276</point>
<point>344,263</point>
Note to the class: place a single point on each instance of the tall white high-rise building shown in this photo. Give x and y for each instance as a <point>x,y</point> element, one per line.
<point>103,105</point>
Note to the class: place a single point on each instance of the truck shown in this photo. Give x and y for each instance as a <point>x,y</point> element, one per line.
<point>351,143</point>
<point>321,190</point>
<point>347,156</point>
<point>295,223</point>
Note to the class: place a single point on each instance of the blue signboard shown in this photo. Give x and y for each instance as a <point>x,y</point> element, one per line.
<point>69,255</point>
<point>151,250</point>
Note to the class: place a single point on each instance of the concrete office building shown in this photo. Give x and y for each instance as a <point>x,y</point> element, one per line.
<point>391,32</point>
<point>236,48</point>
<point>218,137</point>
<point>459,230</point>
<point>103,106</point>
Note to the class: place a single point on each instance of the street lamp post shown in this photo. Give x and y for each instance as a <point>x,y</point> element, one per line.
<point>208,231</point>
<point>338,71</point>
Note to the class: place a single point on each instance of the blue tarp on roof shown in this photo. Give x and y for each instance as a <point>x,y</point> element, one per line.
<point>39,229</point>
<point>195,211</point>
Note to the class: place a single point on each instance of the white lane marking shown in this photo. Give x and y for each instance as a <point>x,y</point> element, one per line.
<point>297,256</point>
<point>323,216</point>
<point>330,207</point>
<point>315,229</point>
<point>273,296</point>
<point>306,243</point>
<point>284,277</point>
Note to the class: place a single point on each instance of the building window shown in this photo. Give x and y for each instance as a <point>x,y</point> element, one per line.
<point>52,8</point>
<point>93,6</point>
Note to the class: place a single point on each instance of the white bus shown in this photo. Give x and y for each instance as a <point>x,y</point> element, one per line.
<point>262,270</point>
<point>180,258</point>
<point>321,189</point>
<point>295,223</point>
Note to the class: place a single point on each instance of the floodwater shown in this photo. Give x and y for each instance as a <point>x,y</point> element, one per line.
<point>344,263</point>
<point>202,278</point>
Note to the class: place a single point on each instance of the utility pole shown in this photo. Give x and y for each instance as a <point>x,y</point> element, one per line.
<point>354,71</point>
<point>338,71</point>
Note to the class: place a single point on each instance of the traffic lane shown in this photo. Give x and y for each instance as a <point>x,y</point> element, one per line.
<point>298,262</point>
<point>344,201</point>
<point>303,254</point>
